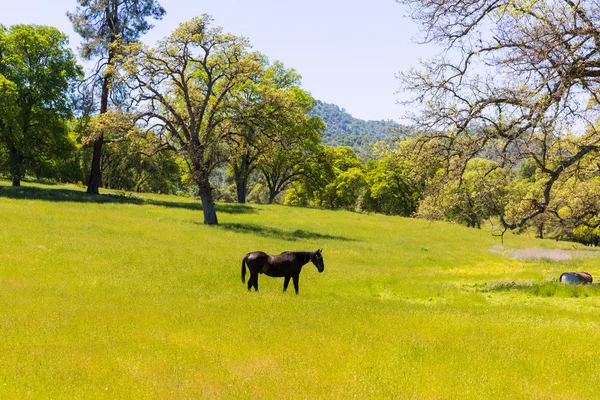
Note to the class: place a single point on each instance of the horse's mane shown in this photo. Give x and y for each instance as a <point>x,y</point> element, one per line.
<point>305,254</point>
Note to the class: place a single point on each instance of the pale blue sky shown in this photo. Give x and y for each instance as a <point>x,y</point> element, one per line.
<point>347,51</point>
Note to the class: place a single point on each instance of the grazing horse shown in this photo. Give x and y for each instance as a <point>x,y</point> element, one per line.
<point>575,278</point>
<point>286,265</point>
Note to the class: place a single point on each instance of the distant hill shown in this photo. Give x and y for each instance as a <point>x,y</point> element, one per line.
<point>345,130</point>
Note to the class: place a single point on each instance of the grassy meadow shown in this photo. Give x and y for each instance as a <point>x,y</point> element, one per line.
<point>133,297</point>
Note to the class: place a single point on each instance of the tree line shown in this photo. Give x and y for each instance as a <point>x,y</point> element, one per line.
<point>197,112</point>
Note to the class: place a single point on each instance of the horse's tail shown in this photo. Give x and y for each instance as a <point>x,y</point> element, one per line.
<point>244,269</point>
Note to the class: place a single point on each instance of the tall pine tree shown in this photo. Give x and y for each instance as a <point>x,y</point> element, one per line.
<point>101,23</point>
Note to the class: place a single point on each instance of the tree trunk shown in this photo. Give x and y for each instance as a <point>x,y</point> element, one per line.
<point>272,195</point>
<point>241,174</point>
<point>242,189</point>
<point>15,167</point>
<point>208,204</point>
<point>201,173</point>
<point>473,221</point>
<point>95,181</point>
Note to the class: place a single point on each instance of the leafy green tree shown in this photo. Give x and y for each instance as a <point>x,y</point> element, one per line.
<point>136,162</point>
<point>129,166</point>
<point>9,112</point>
<point>574,212</point>
<point>285,160</point>
<point>185,90</point>
<point>37,73</point>
<point>397,178</point>
<point>101,23</point>
<point>482,193</point>
<point>333,178</point>
<point>269,109</point>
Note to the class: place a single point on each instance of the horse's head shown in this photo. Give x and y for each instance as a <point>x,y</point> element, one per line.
<point>317,259</point>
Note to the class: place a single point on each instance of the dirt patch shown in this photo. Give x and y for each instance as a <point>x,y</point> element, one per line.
<point>539,253</point>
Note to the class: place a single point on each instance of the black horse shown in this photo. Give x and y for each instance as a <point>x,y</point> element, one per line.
<point>286,265</point>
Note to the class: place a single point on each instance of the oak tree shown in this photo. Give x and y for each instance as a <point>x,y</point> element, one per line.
<point>37,74</point>
<point>332,178</point>
<point>288,158</point>
<point>184,89</point>
<point>263,106</point>
<point>272,131</point>
<point>517,80</point>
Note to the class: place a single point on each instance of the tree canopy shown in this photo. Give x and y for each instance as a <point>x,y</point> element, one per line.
<point>184,89</point>
<point>37,73</point>
<point>271,123</point>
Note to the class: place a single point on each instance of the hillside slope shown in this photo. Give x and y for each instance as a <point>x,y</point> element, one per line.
<point>129,297</point>
<point>345,130</point>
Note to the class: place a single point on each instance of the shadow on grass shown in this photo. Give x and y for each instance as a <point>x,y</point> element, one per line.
<point>52,194</point>
<point>543,289</point>
<point>235,209</point>
<point>266,231</point>
<point>60,195</point>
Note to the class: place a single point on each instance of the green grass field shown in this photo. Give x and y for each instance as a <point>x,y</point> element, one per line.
<point>133,297</point>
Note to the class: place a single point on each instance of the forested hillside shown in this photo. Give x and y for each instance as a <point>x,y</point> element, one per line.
<point>345,130</point>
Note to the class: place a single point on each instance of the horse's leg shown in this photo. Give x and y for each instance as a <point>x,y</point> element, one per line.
<point>295,278</point>
<point>253,278</point>
<point>286,282</point>
<point>255,273</point>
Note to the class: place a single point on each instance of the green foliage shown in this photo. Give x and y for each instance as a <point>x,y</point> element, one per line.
<point>105,25</point>
<point>586,235</point>
<point>527,169</point>
<point>183,101</point>
<point>575,210</point>
<point>272,131</point>
<point>259,193</point>
<point>127,167</point>
<point>100,22</point>
<point>333,178</point>
<point>134,160</point>
<point>397,179</point>
<point>485,190</point>
<point>37,74</point>
<point>481,194</point>
<point>503,93</point>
